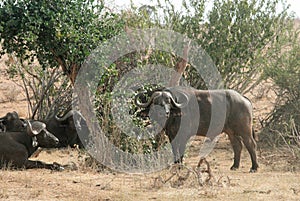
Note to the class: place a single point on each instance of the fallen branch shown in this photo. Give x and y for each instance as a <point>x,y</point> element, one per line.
<point>205,170</point>
<point>176,178</point>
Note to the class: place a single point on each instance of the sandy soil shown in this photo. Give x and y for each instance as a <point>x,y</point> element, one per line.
<point>278,177</point>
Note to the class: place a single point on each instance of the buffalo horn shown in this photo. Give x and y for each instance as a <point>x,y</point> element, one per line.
<point>69,114</point>
<point>144,105</point>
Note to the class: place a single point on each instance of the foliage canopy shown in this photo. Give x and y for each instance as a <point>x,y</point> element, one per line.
<point>56,33</point>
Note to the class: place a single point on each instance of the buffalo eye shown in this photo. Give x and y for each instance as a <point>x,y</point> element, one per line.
<point>168,99</point>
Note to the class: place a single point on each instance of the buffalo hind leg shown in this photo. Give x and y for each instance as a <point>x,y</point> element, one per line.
<point>250,144</point>
<point>237,146</point>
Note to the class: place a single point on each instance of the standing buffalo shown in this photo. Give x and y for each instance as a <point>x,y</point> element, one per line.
<point>186,112</point>
<point>17,147</point>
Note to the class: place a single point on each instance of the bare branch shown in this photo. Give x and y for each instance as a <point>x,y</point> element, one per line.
<point>180,67</point>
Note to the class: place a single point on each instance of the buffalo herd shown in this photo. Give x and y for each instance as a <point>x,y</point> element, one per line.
<point>20,138</point>
<point>181,112</point>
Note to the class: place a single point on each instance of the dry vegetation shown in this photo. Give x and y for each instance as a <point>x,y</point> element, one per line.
<point>278,177</point>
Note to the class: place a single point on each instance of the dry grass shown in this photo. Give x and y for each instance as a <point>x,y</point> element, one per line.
<point>276,180</point>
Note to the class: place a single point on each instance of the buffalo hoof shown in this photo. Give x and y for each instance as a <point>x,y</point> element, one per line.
<point>253,170</point>
<point>58,167</point>
<point>234,168</point>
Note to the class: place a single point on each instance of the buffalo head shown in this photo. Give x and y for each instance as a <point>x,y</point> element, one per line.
<point>41,137</point>
<point>12,122</point>
<point>164,101</point>
<point>66,128</point>
<point>163,104</point>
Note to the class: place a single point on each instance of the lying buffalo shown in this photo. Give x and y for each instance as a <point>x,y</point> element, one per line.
<point>17,147</point>
<point>12,122</point>
<point>65,128</point>
<point>184,112</point>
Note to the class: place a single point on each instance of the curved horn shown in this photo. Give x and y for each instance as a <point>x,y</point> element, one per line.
<point>144,105</point>
<point>75,112</point>
<point>183,104</point>
<point>66,116</point>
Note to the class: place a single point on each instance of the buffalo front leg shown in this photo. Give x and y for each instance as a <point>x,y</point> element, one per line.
<point>29,164</point>
<point>237,146</point>
<point>178,149</point>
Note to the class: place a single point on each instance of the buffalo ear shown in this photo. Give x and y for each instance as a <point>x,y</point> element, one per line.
<point>12,115</point>
<point>9,116</point>
<point>35,127</point>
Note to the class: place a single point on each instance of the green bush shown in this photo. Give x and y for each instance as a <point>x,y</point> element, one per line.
<point>234,33</point>
<point>238,35</point>
<point>58,33</point>
<point>50,40</point>
<point>282,125</point>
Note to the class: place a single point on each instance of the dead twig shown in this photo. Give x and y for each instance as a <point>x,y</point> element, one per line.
<point>205,170</point>
<point>257,191</point>
<point>181,173</point>
<point>227,178</point>
<point>46,90</point>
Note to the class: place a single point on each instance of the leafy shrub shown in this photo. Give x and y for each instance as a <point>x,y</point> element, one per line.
<point>238,35</point>
<point>56,33</point>
<point>282,126</point>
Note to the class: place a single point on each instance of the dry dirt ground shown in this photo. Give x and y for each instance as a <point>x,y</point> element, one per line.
<point>278,177</point>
